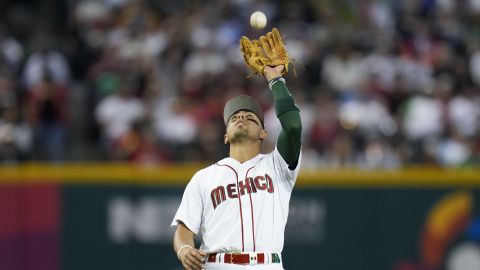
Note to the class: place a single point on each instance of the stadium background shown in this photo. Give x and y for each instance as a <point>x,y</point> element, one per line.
<point>107,108</point>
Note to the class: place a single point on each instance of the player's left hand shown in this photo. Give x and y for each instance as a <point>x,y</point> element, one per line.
<point>273,72</point>
<point>268,50</point>
<point>193,259</point>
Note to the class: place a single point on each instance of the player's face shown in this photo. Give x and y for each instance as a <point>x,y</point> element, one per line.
<point>244,125</point>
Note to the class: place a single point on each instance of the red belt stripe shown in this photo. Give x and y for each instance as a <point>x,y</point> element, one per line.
<point>233,258</point>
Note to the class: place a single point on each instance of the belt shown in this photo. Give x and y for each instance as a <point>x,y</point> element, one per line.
<point>243,258</point>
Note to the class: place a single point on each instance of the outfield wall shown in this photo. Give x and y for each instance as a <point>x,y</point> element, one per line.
<point>117,216</point>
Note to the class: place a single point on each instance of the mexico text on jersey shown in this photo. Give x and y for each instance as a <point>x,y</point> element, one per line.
<point>249,185</point>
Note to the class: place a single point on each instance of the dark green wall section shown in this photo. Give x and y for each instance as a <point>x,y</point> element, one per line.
<point>127,227</point>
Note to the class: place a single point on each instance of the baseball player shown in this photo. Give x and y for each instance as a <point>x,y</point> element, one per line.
<point>240,204</point>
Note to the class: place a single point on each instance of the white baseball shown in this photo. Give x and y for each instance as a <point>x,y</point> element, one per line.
<point>258,20</point>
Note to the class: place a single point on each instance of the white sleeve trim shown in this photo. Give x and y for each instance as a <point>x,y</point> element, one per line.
<point>177,221</point>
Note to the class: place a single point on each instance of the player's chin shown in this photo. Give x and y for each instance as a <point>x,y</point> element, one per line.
<point>240,133</point>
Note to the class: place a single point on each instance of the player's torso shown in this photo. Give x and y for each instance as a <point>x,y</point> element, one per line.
<point>245,206</point>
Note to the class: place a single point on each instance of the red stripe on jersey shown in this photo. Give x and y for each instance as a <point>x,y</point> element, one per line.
<point>251,208</point>
<point>239,200</point>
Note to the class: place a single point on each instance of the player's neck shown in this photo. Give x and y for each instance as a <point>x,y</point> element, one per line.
<point>245,151</point>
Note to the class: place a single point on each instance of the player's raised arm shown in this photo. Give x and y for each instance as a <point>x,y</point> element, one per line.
<point>289,140</point>
<point>268,56</point>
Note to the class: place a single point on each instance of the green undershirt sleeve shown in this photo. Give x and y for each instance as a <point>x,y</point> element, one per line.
<point>289,140</point>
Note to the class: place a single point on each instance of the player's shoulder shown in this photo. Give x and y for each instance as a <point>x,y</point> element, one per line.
<point>269,155</point>
<point>204,172</point>
<point>275,156</point>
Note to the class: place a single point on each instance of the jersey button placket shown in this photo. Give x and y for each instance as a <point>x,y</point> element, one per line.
<point>248,213</point>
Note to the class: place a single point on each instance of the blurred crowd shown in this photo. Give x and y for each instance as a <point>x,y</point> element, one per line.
<point>380,83</point>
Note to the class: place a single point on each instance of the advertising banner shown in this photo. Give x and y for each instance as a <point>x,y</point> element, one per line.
<point>29,227</point>
<point>127,228</point>
<point>117,216</point>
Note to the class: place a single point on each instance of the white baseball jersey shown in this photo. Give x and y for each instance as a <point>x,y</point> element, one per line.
<point>239,206</point>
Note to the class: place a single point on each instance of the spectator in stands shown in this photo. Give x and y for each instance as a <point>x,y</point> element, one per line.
<point>45,61</point>
<point>15,137</point>
<point>11,52</point>
<point>117,113</point>
<point>401,89</point>
<point>47,113</point>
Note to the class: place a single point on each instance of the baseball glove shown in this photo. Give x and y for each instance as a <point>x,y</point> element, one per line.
<point>268,50</point>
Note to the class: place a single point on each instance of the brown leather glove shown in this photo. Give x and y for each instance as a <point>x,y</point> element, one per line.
<point>268,50</point>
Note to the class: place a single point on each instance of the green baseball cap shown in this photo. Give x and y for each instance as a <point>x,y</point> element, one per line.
<point>242,102</point>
